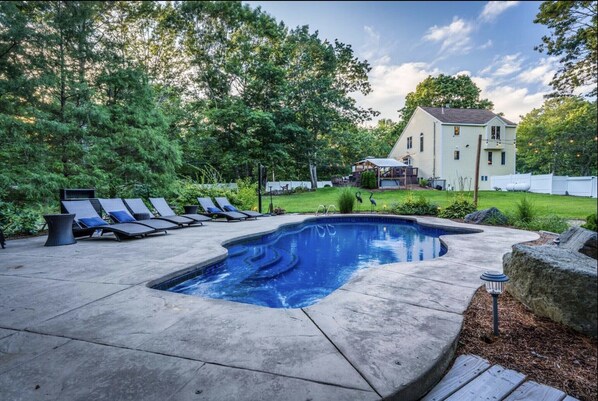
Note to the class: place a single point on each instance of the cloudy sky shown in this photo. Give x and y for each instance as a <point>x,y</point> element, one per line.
<point>404,42</point>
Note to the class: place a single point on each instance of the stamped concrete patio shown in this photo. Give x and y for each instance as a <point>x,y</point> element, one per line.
<point>79,322</point>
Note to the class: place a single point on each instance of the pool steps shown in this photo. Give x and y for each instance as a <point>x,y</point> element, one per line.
<point>270,262</point>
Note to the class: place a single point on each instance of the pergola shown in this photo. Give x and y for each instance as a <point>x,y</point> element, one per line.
<point>387,171</point>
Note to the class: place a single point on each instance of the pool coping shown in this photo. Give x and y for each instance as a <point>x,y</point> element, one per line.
<point>344,342</point>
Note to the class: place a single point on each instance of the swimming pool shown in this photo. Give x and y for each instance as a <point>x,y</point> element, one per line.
<point>297,265</point>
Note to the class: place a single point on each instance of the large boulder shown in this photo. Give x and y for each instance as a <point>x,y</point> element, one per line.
<point>487,216</point>
<point>556,283</point>
<point>579,239</point>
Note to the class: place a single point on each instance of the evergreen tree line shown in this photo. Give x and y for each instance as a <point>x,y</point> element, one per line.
<point>131,97</point>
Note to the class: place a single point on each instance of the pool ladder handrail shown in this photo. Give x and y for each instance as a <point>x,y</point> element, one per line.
<point>327,210</point>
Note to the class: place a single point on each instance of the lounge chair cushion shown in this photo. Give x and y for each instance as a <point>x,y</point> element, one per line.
<point>122,216</point>
<point>214,210</point>
<point>92,221</point>
<point>230,208</point>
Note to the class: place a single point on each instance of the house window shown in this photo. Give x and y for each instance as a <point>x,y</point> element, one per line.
<point>409,142</point>
<point>495,133</point>
<point>484,178</point>
<point>421,142</point>
<point>457,131</point>
<point>456,155</point>
<point>489,158</point>
<point>503,158</point>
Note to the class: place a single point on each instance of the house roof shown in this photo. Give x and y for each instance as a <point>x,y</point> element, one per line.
<point>463,116</point>
<point>383,162</point>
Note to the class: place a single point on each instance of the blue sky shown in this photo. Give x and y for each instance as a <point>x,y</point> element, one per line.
<point>404,42</point>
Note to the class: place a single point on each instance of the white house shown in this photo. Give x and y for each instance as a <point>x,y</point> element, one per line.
<point>442,143</point>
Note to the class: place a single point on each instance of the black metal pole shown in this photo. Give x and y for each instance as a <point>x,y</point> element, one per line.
<point>495,312</point>
<point>259,187</point>
<point>271,204</point>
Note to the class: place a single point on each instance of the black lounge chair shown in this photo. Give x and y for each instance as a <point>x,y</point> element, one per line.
<point>228,207</point>
<point>138,206</point>
<point>116,209</point>
<point>164,210</point>
<point>87,217</point>
<point>210,209</point>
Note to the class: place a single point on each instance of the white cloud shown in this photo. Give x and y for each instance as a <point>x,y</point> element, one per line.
<point>493,9</point>
<point>513,102</point>
<point>375,50</point>
<point>504,65</point>
<point>486,45</point>
<point>510,94</point>
<point>542,73</point>
<point>372,42</point>
<point>510,64</point>
<point>391,83</point>
<point>454,37</point>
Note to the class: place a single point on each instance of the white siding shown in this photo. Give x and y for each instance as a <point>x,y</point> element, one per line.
<point>420,123</point>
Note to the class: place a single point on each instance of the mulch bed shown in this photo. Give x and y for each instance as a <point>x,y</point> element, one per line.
<point>545,351</point>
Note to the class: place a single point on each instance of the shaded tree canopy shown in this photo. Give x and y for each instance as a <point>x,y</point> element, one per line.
<point>130,97</point>
<point>573,39</point>
<point>442,91</point>
<point>559,138</point>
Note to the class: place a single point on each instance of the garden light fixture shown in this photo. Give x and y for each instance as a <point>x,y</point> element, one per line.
<point>495,285</point>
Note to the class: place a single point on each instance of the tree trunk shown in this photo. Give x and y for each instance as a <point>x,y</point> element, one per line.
<point>313,175</point>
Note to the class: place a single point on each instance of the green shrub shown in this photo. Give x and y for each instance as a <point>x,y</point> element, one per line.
<point>299,190</point>
<point>246,196</point>
<point>346,200</point>
<point>552,223</point>
<point>368,180</point>
<point>20,220</point>
<point>415,206</point>
<point>458,209</point>
<point>423,182</point>
<point>590,222</point>
<point>525,211</point>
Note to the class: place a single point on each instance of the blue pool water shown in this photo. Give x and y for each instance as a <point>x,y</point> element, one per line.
<point>297,265</point>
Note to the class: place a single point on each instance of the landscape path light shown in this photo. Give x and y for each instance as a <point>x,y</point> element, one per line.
<point>495,285</point>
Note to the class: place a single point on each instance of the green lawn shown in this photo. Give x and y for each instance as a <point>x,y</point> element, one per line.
<point>569,207</point>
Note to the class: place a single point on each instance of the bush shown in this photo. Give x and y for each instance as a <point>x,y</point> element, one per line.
<point>415,206</point>
<point>246,196</point>
<point>346,201</point>
<point>590,222</point>
<point>524,211</point>
<point>368,180</point>
<point>552,223</point>
<point>458,209</point>
<point>20,220</point>
<point>423,182</point>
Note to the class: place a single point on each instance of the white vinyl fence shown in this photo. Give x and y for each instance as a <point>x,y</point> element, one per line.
<point>547,184</point>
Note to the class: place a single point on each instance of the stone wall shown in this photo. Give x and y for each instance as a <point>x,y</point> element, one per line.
<point>556,283</point>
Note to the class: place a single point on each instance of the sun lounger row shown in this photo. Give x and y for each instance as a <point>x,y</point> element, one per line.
<point>126,225</point>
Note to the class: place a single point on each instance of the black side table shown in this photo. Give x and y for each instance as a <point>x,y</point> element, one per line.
<point>60,229</point>
<point>190,209</point>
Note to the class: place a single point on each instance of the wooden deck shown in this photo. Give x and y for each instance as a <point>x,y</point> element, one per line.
<point>473,379</point>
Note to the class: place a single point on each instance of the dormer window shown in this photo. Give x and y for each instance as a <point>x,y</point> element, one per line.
<point>495,132</point>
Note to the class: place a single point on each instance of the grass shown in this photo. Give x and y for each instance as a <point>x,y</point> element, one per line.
<point>569,207</point>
